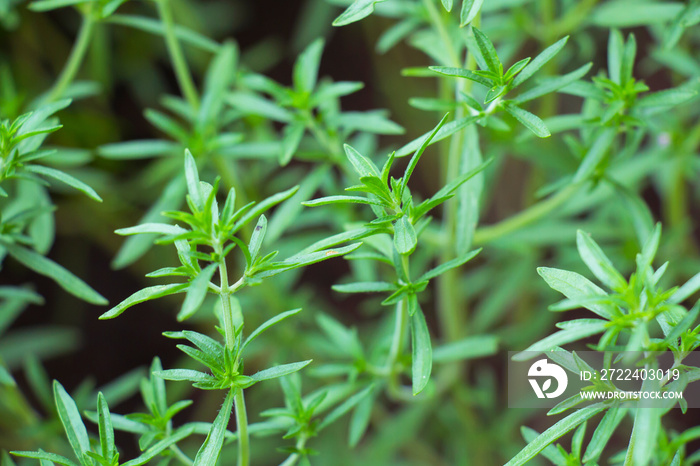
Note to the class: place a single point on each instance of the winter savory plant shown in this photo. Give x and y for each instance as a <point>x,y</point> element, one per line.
<point>345,286</point>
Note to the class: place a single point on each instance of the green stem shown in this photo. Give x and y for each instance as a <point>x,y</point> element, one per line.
<point>439,25</point>
<point>76,56</point>
<point>448,301</point>
<point>226,311</point>
<point>301,443</point>
<point>180,455</point>
<point>182,71</point>
<point>242,423</point>
<point>490,233</point>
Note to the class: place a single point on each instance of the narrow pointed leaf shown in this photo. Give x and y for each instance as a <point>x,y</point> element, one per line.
<point>405,239</point>
<point>196,292</point>
<point>554,432</point>
<point>422,351</point>
<point>280,371</point>
<point>64,178</point>
<point>71,420</point>
<point>529,120</point>
<point>209,453</point>
<point>539,61</point>
<point>152,292</point>
<point>267,324</point>
<point>45,266</point>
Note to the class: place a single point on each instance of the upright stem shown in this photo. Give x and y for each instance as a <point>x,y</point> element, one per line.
<point>226,311</point>
<point>451,320</point>
<point>532,214</point>
<point>230,333</point>
<point>76,56</point>
<point>182,71</point>
<point>242,422</point>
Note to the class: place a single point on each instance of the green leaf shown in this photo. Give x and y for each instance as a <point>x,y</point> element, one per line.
<point>405,240</point>
<point>196,292</point>
<point>602,434</point>
<point>553,454</point>
<point>257,238</point>
<point>263,206</point>
<point>358,10</point>
<point>646,257</point>
<point>363,165</point>
<point>470,192</point>
<point>470,8</point>
<point>291,139</point>
<point>64,178</point>
<point>595,154</point>
<point>664,99</point>
<point>554,432</point>
<point>616,45</point>
<point>208,454</point>
<point>146,294</point>
<point>576,287</point>
<point>553,84</point>
<point>529,120</point>
<point>42,455</point>
<point>180,375</point>
<point>628,56</point>
<point>373,121</point>
<point>72,423</point>
<point>449,265</point>
<point>447,130</point>
<point>447,4</point>
<point>364,287</point>
<point>219,77</point>
<point>647,423</point>
<point>686,291</point>
<point>280,371</point>
<point>359,420</point>
<point>626,14</point>
<point>515,69</point>
<point>598,262</point>
<point>106,430</point>
<point>252,104</point>
<point>574,333</point>
<point>288,212</point>
<point>158,447</point>
<point>157,228</point>
<point>192,176</point>
<point>6,378</point>
<point>462,73</point>
<point>637,209</point>
<point>345,407</point>
<point>467,348</point>
<point>422,352</point>
<point>134,247</point>
<point>303,260</point>
<point>417,155</point>
<point>329,200</point>
<point>488,52</point>
<point>267,324</point>
<point>48,5</point>
<point>306,67</point>
<point>45,266</point>
<point>539,61</point>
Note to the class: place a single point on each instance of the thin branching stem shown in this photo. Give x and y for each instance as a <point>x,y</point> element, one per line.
<point>242,423</point>
<point>77,55</point>
<point>536,212</point>
<point>182,70</point>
